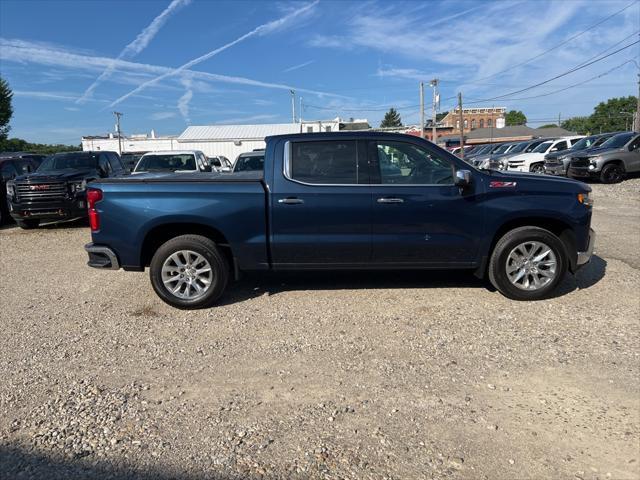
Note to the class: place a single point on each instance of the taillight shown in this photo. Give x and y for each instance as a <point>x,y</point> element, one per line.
<point>94,195</point>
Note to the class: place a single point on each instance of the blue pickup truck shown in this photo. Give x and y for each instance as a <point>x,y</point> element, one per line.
<point>329,201</point>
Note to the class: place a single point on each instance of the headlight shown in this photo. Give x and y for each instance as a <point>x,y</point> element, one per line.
<point>586,199</point>
<point>10,189</point>
<point>79,186</point>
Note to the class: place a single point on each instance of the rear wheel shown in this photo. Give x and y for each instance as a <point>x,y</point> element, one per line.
<point>189,272</point>
<point>612,173</point>
<point>28,224</point>
<point>527,263</point>
<point>537,168</point>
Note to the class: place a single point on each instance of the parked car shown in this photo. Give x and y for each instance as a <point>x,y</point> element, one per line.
<point>175,161</point>
<point>501,161</point>
<point>220,163</point>
<point>479,160</point>
<point>249,162</point>
<point>557,163</point>
<point>311,208</point>
<point>479,150</point>
<point>130,160</point>
<point>34,158</point>
<point>534,160</point>
<point>10,168</point>
<point>616,157</point>
<point>56,190</point>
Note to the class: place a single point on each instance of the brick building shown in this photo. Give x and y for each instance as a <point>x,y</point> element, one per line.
<point>473,118</point>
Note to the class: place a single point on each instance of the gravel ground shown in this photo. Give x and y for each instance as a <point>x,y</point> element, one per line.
<point>376,375</point>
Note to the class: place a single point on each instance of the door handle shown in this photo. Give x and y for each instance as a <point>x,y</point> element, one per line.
<point>291,201</point>
<point>390,200</point>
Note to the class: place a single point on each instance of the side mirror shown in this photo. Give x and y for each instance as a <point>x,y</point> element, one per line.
<point>207,168</point>
<point>462,178</point>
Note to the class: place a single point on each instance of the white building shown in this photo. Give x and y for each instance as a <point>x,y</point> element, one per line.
<point>227,140</point>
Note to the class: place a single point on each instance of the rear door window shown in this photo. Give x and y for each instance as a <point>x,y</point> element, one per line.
<point>325,162</point>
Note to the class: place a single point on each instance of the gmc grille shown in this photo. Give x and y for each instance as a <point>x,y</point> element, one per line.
<point>41,192</point>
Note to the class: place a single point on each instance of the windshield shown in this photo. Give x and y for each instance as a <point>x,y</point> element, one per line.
<point>502,149</point>
<point>168,162</point>
<point>67,161</point>
<point>519,147</point>
<point>618,141</point>
<point>543,147</point>
<point>583,143</point>
<point>249,163</point>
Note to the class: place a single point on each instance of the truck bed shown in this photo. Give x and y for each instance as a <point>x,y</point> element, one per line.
<point>138,209</point>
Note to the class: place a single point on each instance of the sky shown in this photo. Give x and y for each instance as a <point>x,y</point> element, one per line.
<point>168,64</point>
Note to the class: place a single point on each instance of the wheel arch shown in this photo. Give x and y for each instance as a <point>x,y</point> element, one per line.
<point>160,234</point>
<point>558,227</point>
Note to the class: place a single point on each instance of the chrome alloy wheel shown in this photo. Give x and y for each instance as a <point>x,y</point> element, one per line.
<point>531,265</point>
<point>187,274</point>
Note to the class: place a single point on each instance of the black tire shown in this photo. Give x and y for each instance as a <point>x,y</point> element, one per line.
<point>202,246</point>
<point>612,173</point>
<point>28,224</point>
<point>537,168</point>
<point>500,256</point>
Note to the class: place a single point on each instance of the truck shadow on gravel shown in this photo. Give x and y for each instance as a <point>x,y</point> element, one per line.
<point>17,463</point>
<point>257,284</point>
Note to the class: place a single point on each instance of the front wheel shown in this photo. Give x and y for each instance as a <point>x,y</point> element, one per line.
<point>189,272</point>
<point>527,263</point>
<point>537,168</point>
<point>28,224</point>
<point>612,173</point>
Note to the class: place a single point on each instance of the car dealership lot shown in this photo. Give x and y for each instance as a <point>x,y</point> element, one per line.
<point>374,375</point>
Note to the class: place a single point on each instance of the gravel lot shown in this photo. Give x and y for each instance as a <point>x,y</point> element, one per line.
<point>376,375</point>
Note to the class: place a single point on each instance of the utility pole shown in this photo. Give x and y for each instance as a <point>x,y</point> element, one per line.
<point>637,118</point>
<point>300,115</point>
<point>461,126</point>
<point>422,110</point>
<point>559,119</point>
<point>434,109</point>
<point>118,115</point>
<point>293,106</point>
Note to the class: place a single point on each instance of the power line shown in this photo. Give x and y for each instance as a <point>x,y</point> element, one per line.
<point>574,85</point>
<point>574,69</point>
<point>560,44</point>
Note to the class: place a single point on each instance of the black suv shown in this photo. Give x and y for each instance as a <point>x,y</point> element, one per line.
<point>56,190</point>
<point>12,165</point>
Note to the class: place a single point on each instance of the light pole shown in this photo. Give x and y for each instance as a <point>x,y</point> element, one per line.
<point>293,106</point>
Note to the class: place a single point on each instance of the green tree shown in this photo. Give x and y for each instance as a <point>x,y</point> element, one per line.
<point>6,110</point>
<point>614,114</point>
<point>391,119</point>
<point>515,117</point>
<point>548,125</point>
<point>581,125</point>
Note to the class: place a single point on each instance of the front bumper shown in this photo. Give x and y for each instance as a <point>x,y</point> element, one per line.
<point>555,169</point>
<point>585,257</point>
<point>61,210</point>
<point>582,172</point>
<point>102,257</point>
<point>517,168</point>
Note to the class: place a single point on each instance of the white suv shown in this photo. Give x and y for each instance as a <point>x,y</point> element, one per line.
<point>534,160</point>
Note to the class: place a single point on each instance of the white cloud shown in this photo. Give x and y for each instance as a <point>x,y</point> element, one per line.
<point>183,101</point>
<point>298,67</point>
<point>263,29</point>
<point>20,51</point>
<point>63,96</point>
<point>137,45</point>
<point>162,115</point>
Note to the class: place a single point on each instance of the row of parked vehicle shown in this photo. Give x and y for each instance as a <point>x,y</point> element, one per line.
<point>54,188</point>
<point>607,157</point>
